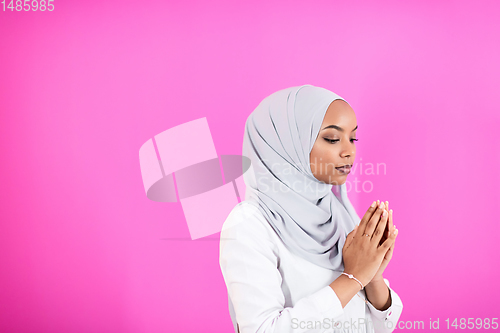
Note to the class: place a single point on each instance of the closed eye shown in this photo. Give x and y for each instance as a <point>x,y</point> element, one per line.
<point>335,140</point>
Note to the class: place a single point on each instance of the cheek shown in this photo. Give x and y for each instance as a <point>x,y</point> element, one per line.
<point>325,161</point>
<point>328,154</point>
<point>317,156</point>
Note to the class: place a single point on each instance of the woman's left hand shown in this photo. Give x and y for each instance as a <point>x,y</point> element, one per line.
<point>390,228</point>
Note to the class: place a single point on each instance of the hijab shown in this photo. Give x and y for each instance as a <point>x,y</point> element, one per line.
<point>311,217</point>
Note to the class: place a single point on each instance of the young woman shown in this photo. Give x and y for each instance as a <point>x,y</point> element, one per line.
<point>294,254</point>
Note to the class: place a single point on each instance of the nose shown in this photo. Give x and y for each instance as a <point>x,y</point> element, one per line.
<point>348,150</point>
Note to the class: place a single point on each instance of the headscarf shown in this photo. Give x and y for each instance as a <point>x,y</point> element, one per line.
<point>311,217</point>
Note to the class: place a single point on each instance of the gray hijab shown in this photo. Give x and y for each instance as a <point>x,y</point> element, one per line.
<point>312,218</point>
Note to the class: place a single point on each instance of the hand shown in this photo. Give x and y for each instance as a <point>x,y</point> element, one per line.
<point>363,255</point>
<point>390,228</point>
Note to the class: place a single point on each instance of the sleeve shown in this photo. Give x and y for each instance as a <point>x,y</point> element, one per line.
<point>249,264</point>
<point>386,321</point>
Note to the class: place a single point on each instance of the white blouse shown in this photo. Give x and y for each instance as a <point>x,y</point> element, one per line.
<point>271,289</point>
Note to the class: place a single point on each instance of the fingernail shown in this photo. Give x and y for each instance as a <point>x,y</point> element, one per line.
<point>384,213</point>
<point>381,205</point>
<point>373,204</point>
<point>390,210</point>
<point>396,232</point>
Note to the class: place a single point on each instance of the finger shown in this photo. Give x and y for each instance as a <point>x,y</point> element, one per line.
<point>350,237</point>
<point>366,217</point>
<point>389,253</point>
<point>386,245</point>
<point>372,223</point>
<point>390,224</point>
<point>388,229</point>
<point>381,226</point>
<point>387,209</point>
<point>384,236</point>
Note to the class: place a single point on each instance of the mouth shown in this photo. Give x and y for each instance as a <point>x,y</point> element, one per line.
<point>344,169</point>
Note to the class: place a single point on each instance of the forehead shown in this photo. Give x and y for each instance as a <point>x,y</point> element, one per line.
<point>339,112</point>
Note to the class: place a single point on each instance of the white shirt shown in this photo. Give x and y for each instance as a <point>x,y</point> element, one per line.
<point>271,289</point>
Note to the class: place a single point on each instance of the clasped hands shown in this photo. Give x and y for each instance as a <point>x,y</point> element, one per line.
<point>369,247</point>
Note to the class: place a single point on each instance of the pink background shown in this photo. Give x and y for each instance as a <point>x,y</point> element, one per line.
<point>82,249</point>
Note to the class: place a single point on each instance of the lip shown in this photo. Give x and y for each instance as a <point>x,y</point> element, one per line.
<point>345,169</point>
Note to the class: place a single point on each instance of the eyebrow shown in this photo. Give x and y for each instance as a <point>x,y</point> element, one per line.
<point>339,128</point>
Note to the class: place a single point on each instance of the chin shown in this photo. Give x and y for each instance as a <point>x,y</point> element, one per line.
<point>338,181</point>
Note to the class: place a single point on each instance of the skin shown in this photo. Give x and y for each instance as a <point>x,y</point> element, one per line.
<point>326,155</point>
<point>364,257</point>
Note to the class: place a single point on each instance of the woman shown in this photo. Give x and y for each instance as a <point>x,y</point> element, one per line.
<point>294,254</point>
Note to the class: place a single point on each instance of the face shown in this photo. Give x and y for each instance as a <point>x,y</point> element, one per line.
<point>335,145</point>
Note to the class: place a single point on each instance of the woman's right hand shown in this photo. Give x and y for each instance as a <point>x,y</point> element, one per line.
<point>363,254</point>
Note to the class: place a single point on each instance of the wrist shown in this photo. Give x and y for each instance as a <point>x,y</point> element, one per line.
<point>352,277</point>
<point>376,279</point>
<point>378,294</point>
